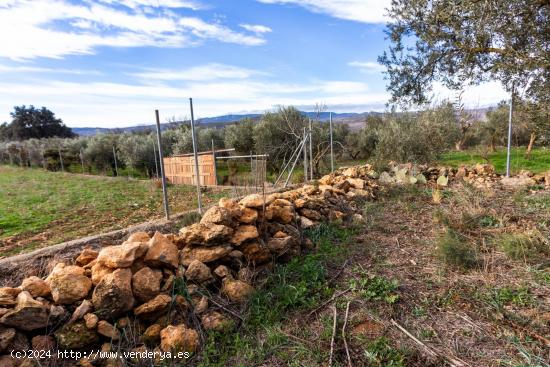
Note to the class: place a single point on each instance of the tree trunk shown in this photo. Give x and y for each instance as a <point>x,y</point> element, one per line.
<point>492,145</point>
<point>459,145</point>
<point>532,139</point>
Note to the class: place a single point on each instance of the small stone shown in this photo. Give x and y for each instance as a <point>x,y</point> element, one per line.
<point>310,214</point>
<point>256,252</point>
<point>151,336</point>
<point>146,283</point>
<point>201,305</point>
<point>252,201</point>
<point>222,271</point>
<point>99,271</point>
<point>91,320</point>
<point>123,322</point>
<point>236,290</point>
<point>43,342</point>
<point>85,307</point>
<point>121,256</point>
<point>35,286</point>
<point>205,234</point>
<point>162,252</point>
<point>306,222</point>
<point>86,256</point>
<point>198,272</point>
<point>139,237</point>
<point>108,330</point>
<point>244,233</point>
<point>217,215</point>
<point>76,336</point>
<point>232,206</point>
<point>179,339</point>
<point>280,210</point>
<point>113,295</point>
<point>216,321</point>
<point>204,254</point>
<point>68,284</point>
<point>248,215</point>
<point>157,304</point>
<point>7,296</point>
<point>28,314</point>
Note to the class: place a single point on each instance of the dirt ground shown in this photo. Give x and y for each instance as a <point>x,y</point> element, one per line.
<point>423,310</point>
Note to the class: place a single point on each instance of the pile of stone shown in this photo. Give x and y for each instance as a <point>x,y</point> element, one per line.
<point>150,292</point>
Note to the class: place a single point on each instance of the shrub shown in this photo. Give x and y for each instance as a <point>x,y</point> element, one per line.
<point>454,250</point>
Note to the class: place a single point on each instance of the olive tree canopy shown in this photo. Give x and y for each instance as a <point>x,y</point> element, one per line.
<point>466,42</point>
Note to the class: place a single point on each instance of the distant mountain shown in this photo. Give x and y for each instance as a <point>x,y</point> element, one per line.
<point>354,120</point>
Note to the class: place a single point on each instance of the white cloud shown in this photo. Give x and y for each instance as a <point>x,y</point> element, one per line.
<point>365,11</point>
<point>38,69</point>
<point>368,67</point>
<point>256,28</point>
<point>57,28</point>
<point>212,71</point>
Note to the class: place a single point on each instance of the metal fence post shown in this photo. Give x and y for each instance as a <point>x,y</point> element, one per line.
<point>196,157</point>
<point>164,192</point>
<point>509,147</point>
<point>310,152</point>
<point>61,160</point>
<point>305,156</point>
<point>214,162</point>
<point>116,165</point>
<point>331,150</point>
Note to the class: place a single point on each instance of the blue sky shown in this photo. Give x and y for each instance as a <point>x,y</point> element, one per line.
<point>110,63</point>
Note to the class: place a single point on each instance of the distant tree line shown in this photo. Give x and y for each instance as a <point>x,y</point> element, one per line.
<point>420,136</point>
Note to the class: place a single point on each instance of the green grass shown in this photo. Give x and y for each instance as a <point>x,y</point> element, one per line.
<point>539,161</point>
<point>298,285</point>
<point>60,207</point>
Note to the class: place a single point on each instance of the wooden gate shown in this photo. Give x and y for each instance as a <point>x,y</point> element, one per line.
<point>181,169</point>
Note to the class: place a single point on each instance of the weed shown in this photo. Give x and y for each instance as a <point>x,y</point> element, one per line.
<point>520,297</point>
<point>530,359</point>
<point>454,250</point>
<point>523,245</point>
<point>375,288</point>
<point>381,354</point>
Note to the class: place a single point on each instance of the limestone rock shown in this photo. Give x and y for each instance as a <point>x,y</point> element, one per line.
<point>121,256</point>
<point>91,320</point>
<point>7,296</point>
<point>232,206</point>
<point>256,252</point>
<point>310,214</point>
<point>198,272</point>
<point>236,290</point>
<point>162,252</point>
<point>244,233</point>
<point>519,181</point>
<point>200,304</point>
<point>76,336</point>
<point>280,210</point>
<point>85,307</point>
<point>99,271</point>
<point>68,284</point>
<point>19,342</point>
<point>86,256</point>
<point>356,183</point>
<point>179,339</point>
<point>157,304</point>
<point>146,283</point>
<point>248,216</point>
<point>215,321</point>
<point>108,330</point>
<point>113,295</point>
<point>205,234</point>
<point>7,335</point>
<point>43,342</point>
<point>306,222</point>
<point>281,245</point>
<point>35,286</point>
<point>138,237</point>
<point>28,314</point>
<point>204,254</point>
<point>151,336</point>
<point>222,271</point>
<point>252,201</point>
<point>217,215</point>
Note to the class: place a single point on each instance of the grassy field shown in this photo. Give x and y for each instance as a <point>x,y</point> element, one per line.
<point>539,161</point>
<point>39,208</point>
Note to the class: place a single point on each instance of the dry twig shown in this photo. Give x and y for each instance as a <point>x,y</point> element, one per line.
<point>344,334</point>
<point>333,335</point>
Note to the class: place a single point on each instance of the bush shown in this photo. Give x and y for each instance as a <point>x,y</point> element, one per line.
<point>455,251</point>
